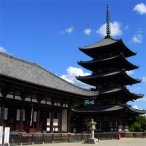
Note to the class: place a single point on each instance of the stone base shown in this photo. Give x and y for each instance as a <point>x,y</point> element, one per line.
<point>91,141</point>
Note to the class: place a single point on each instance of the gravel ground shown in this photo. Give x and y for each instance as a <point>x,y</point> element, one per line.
<point>121,142</point>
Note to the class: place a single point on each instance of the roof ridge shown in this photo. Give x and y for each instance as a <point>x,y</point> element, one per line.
<point>100,41</point>
<point>18,59</point>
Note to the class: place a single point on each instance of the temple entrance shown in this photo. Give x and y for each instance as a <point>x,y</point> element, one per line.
<point>105,126</point>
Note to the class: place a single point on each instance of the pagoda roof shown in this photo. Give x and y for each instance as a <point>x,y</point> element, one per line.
<point>109,108</point>
<point>98,109</point>
<point>119,92</point>
<point>107,43</point>
<point>22,70</point>
<point>134,110</point>
<point>97,78</point>
<point>118,60</point>
<point>101,43</point>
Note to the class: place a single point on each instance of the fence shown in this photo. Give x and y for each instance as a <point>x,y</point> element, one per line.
<point>40,138</point>
<point>19,138</point>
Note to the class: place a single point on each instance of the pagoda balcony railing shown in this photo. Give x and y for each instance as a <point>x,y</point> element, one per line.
<point>108,71</point>
<point>104,89</point>
<point>106,55</point>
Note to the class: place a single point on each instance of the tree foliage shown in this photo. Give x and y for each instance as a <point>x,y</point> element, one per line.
<point>139,125</point>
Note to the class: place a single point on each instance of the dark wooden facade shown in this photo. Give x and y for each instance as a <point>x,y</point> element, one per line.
<point>22,103</point>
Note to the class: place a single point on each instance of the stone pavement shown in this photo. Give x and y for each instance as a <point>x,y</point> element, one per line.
<point>121,142</point>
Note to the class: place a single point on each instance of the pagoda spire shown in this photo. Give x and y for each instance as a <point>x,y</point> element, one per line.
<point>108,28</point>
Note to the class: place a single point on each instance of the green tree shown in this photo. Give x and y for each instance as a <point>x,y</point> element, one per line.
<point>139,125</point>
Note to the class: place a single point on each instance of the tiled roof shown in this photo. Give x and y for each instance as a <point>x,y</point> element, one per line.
<point>103,109</point>
<point>103,42</point>
<point>30,72</point>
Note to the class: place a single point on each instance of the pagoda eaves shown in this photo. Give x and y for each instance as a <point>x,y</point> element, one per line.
<point>119,76</point>
<point>107,44</point>
<point>109,109</point>
<point>118,61</point>
<point>120,93</point>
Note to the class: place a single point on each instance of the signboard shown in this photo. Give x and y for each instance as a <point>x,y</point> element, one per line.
<point>1,135</point>
<point>6,135</point>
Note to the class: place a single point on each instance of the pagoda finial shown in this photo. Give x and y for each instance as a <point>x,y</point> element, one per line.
<point>108,29</point>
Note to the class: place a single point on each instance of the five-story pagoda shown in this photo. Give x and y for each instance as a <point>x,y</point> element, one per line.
<point>109,76</point>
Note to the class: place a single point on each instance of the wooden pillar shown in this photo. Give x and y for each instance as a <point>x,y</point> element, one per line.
<point>68,120</point>
<point>51,123</point>
<point>38,113</point>
<point>100,124</point>
<point>38,120</point>
<point>61,106</point>
<point>2,115</point>
<point>60,119</point>
<point>4,92</point>
<point>52,115</point>
<point>21,119</point>
<point>23,96</point>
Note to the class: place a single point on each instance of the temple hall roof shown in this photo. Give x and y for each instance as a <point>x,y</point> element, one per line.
<point>33,73</point>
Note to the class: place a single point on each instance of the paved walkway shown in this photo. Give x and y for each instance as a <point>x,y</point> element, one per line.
<point>121,142</point>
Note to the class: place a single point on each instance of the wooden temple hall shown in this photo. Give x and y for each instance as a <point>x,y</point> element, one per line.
<point>33,99</point>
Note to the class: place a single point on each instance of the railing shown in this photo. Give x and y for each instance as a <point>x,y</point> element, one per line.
<point>40,138</point>
<point>105,136</point>
<point>134,134</point>
<point>19,138</point>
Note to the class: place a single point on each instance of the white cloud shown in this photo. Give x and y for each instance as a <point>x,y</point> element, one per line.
<point>3,50</point>
<point>130,72</point>
<point>135,106</point>
<point>70,76</point>
<point>142,99</point>
<point>115,29</point>
<point>69,30</point>
<point>87,31</point>
<point>137,89</point>
<point>127,27</point>
<point>144,79</point>
<point>140,8</point>
<point>138,37</point>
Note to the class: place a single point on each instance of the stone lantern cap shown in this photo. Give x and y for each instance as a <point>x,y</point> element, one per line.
<point>92,124</point>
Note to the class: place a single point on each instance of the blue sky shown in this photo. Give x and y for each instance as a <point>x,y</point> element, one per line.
<point>50,32</point>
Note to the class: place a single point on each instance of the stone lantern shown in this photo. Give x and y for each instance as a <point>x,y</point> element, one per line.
<point>92,127</point>
<point>92,140</point>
